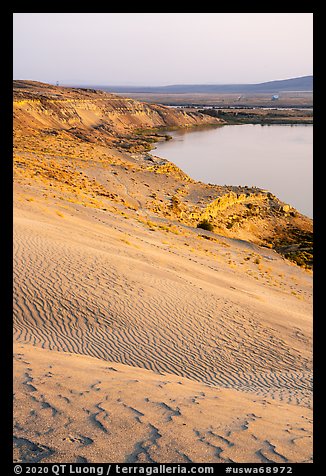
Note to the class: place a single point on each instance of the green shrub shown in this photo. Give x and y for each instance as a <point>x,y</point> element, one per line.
<point>205,225</point>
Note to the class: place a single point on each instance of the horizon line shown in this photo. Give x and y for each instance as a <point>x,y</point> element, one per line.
<point>182,84</point>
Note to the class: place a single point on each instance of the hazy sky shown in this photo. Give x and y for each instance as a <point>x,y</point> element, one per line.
<point>161,48</point>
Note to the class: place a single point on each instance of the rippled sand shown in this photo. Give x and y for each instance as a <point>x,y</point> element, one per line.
<point>153,350</point>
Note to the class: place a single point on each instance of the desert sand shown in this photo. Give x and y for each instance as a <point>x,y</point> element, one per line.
<point>87,409</point>
<point>139,339</point>
<point>239,347</point>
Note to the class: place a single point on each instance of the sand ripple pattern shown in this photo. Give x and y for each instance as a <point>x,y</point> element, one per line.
<point>88,301</point>
<point>86,410</point>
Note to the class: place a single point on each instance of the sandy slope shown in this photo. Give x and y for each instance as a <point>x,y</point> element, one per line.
<point>139,337</point>
<point>94,284</point>
<point>86,409</point>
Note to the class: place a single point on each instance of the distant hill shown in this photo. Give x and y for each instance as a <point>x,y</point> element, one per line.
<point>304,83</point>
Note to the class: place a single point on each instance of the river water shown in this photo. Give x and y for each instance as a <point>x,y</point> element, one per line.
<point>277,158</point>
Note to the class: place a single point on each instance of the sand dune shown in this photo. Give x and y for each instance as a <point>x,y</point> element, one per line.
<point>86,409</point>
<point>86,297</point>
<point>152,353</point>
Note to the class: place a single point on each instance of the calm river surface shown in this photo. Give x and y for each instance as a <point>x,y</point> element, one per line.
<point>277,158</point>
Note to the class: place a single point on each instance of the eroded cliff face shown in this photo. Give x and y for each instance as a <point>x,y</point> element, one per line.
<point>92,149</point>
<point>93,114</point>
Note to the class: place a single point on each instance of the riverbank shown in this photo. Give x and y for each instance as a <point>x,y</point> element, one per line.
<point>261,115</point>
<point>277,158</point>
<point>115,137</point>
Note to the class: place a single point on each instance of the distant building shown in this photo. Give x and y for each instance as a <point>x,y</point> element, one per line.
<point>275,97</point>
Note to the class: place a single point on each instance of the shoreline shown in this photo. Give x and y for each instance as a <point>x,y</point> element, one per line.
<point>181,133</point>
<point>260,116</point>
